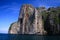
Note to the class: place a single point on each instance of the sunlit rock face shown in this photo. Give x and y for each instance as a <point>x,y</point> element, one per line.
<point>38,20</point>
<point>29,21</point>
<point>14,28</point>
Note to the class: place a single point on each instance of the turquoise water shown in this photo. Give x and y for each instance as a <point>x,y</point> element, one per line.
<point>27,37</point>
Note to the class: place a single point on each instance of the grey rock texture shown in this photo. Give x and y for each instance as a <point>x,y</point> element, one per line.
<point>40,21</point>
<point>29,22</point>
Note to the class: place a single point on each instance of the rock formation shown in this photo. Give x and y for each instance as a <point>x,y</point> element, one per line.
<point>52,23</point>
<point>29,22</point>
<point>39,20</point>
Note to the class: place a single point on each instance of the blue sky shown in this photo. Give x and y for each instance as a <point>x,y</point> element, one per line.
<point>9,10</point>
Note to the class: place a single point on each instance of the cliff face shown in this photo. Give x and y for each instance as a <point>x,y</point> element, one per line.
<point>33,21</point>
<point>52,22</point>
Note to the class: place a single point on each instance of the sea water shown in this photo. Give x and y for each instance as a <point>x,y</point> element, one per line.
<point>27,37</point>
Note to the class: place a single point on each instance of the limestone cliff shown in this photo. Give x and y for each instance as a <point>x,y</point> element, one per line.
<point>39,20</point>
<point>29,22</point>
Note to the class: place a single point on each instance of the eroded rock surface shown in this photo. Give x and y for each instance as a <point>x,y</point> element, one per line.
<point>39,20</point>
<point>29,22</point>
